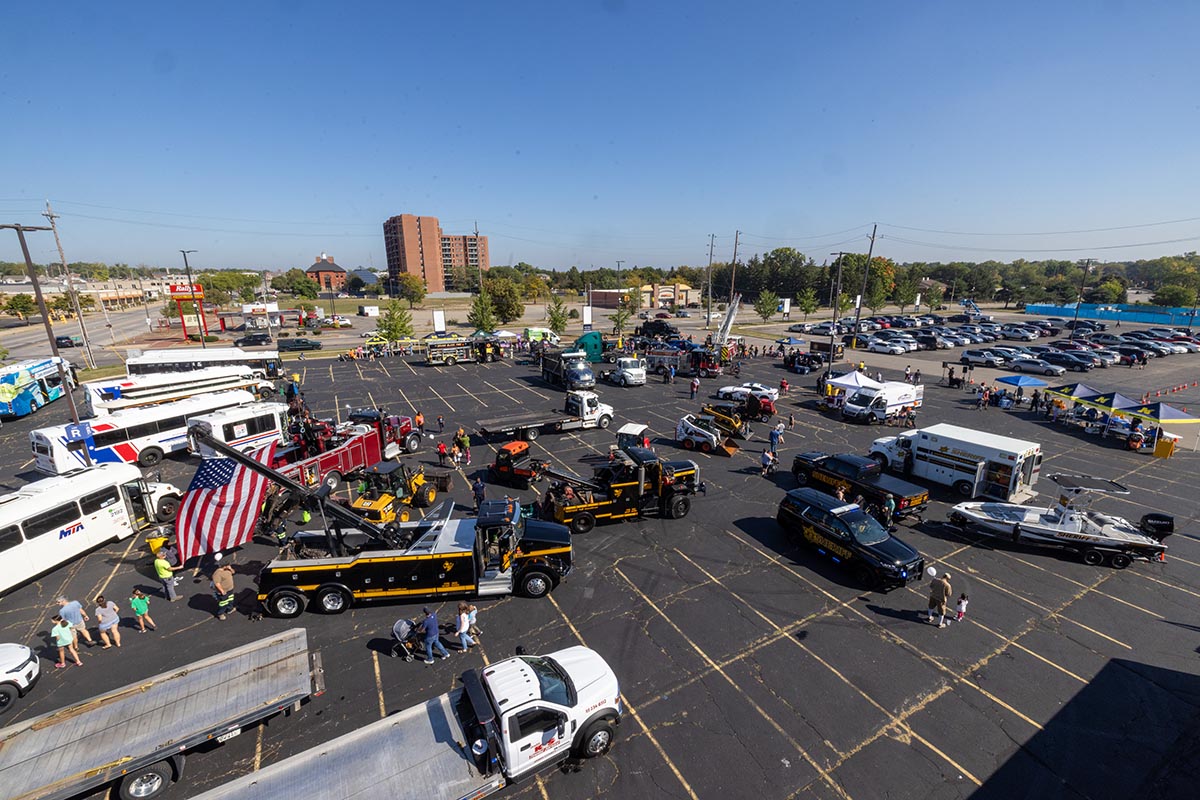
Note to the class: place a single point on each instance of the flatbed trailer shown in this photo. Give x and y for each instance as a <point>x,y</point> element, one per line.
<point>137,737</point>
<point>581,409</point>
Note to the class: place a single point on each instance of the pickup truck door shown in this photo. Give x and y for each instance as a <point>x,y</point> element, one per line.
<point>534,736</point>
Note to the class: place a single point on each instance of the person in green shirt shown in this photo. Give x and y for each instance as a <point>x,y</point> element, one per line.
<point>141,608</point>
<point>166,575</point>
<point>63,634</point>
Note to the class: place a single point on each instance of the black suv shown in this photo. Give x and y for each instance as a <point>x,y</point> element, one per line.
<point>851,537</point>
<point>1068,361</point>
<point>298,344</point>
<point>252,340</point>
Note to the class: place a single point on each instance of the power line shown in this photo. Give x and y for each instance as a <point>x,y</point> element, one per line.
<point>1046,233</point>
<point>1040,249</point>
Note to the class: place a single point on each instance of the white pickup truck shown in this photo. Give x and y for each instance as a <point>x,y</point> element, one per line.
<point>628,371</point>
<point>507,721</point>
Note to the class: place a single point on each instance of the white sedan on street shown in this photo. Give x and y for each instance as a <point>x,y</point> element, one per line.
<point>747,389</point>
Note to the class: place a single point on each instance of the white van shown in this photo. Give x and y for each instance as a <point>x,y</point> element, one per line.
<point>877,405</point>
<point>541,334</point>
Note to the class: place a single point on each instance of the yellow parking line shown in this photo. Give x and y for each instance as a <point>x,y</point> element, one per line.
<point>1168,585</point>
<point>824,773</point>
<point>632,711</point>
<point>378,684</point>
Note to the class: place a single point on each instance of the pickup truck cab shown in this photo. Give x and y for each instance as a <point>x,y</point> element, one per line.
<point>858,475</point>
<point>629,371</point>
<point>851,537</point>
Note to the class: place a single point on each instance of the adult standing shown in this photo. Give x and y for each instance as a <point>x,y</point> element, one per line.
<point>419,421</point>
<point>939,598</point>
<point>72,611</point>
<point>429,627</point>
<point>109,618</point>
<point>166,575</point>
<point>695,387</point>
<point>223,590</point>
<point>463,630</point>
<point>479,492</point>
<point>464,443</point>
<point>889,509</point>
<point>775,438</point>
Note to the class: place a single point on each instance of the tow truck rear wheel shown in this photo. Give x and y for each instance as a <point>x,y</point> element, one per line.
<point>1093,558</point>
<point>531,434</point>
<point>583,523</point>
<point>596,740</point>
<point>680,506</point>
<point>286,604</point>
<point>333,600</point>
<point>1120,561</point>
<point>146,782</point>
<point>536,583</point>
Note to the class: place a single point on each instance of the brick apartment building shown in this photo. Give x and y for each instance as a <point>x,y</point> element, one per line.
<point>416,246</point>
<point>328,275</point>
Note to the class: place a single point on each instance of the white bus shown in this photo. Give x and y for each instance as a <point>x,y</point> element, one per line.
<point>49,522</point>
<point>142,435</point>
<point>244,428</point>
<point>106,396</point>
<point>265,363</point>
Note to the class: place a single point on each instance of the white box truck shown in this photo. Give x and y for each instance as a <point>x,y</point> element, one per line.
<point>974,463</point>
<point>878,405</point>
<point>368,311</point>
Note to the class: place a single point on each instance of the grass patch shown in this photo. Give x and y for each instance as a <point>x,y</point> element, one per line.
<point>112,371</point>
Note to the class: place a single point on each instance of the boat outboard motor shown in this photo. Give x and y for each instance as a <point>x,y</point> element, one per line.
<point>1157,526</point>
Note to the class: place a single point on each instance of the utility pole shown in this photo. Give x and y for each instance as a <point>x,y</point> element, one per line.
<point>64,380</point>
<point>712,237</point>
<point>1087,265</point>
<point>837,298</point>
<point>733,275</point>
<point>88,358</point>
<point>862,296</point>
<point>195,306</point>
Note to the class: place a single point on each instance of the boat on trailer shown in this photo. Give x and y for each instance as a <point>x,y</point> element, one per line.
<point>1071,524</point>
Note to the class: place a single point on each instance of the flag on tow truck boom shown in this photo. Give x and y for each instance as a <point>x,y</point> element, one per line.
<point>221,505</point>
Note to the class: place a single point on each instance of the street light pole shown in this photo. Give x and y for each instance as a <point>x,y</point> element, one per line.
<point>195,306</point>
<point>65,382</point>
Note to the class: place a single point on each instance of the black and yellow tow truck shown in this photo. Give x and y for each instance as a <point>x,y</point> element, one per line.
<point>634,483</point>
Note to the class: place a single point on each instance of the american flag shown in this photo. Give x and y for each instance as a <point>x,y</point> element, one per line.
<point>221,506</point>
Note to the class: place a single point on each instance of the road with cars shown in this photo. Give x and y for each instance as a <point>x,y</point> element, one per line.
<point>751,665</point>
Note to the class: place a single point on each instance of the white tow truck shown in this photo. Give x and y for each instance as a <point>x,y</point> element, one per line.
<point>507,721</point>
<point>974,463</point>
<point>627,371</point>
<point>581,409</point>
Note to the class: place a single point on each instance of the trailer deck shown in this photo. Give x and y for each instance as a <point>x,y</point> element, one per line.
<point>97,741</point>
<point>420,752</point>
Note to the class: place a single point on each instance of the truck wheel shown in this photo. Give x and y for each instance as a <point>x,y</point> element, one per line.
<point>333,600</point>
<point>286,604</point>
<point>425,496</point>
<point>266,394</point>
<point>147,782</point>
<point>1120,561</point>
<point>680,506</point>
<point>1093,558</point>
<point>764,418</point>
<point>605,421</point>
<point>332,479</point>
<point>168,507</point>
<point>531,434</point>
<point>964,488</point>
<point>412,443</point>
<point>150,457</point>
<point>583,523</point>
<point>596,740</point>
<point>536,583</point>
<point>880,459</point>
<point>8,696</point>
<point>451,361</point>
<point>689,444</point>
<point>703,373</point>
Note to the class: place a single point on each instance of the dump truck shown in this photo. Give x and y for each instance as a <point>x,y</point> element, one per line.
<point>580,410</point>
<point>568,369</point>
<point>136,738</point>
<point>505,722</point>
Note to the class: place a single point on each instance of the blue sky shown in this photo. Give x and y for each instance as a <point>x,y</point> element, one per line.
<point>262,134</point>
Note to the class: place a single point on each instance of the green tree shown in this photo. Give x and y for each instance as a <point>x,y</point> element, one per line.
<point>482,316</point>
<point>86,302</point>
<point>1169,295</point>
<point>620,320</point>
<point>410,288</point>
<point>905,293</point>
<point>355,285</point>
<point>1110,291</point>
<point>807,302</point>
<point>535,288</point>
<point>844,303</point>
<point>633,291</point>
<point>506,299</point>
<point>556,313</point>
<point>21,306</point>
<point>296,282</point>
<point>766,305</point>
<point>933,298</point>
<point>168,311</point>
<point>396,322</point>
<point>878,292</point>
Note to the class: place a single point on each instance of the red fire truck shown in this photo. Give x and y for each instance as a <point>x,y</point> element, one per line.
<point>332,454</point>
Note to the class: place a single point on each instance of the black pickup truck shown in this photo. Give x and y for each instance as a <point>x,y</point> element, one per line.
<point>859,475</point>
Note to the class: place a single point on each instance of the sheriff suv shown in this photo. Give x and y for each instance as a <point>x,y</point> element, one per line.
<point>850,537</point>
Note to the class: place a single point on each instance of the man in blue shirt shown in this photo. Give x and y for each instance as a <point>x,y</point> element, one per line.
<point>432,636</point>
<point>76,617</point>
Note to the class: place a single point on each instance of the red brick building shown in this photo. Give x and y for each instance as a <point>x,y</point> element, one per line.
<point>328,275</point>
<point>416,246</point>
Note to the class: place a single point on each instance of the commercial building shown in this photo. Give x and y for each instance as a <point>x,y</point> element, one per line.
<point>416,246</point>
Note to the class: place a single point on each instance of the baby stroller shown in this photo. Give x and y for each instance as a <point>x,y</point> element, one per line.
<point>405,639</point>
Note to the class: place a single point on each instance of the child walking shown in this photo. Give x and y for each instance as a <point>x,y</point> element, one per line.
<point>141,609</point>
<point>960,607</point>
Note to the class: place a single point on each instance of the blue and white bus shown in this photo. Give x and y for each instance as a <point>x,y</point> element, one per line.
<point>28,385</point>
<point>133,436</point>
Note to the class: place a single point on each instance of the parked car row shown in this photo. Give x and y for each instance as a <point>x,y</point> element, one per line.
<point>1084,351</point>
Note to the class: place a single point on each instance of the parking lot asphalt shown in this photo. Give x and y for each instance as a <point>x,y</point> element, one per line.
<point>750,667</point>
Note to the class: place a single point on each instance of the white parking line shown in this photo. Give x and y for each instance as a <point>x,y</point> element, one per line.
<point>444,400</point>
<point>469,394</point>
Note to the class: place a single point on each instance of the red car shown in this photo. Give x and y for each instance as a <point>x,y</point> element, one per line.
<point>662,315</point>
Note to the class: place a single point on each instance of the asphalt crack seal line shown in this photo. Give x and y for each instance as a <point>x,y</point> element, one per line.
<point>629,708</point>
<point>761,711</point>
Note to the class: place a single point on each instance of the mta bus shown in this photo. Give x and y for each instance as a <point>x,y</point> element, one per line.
<point>264,363</point>
<point>28,385</point>
<point>136,435</point>
<point>106,396</point>
<point>49,522</point>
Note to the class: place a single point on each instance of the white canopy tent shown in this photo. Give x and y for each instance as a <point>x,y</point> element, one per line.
<point>854,380</point>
